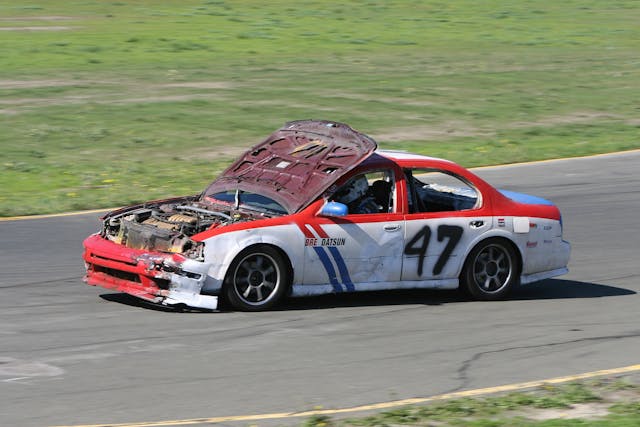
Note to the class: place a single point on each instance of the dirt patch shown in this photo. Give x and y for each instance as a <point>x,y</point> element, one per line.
<point>201,85</point>
<point>160,98</point>
<point>43,28</point>
<point>572,118</point>
<point>29,103</point>
<point>220,152</point>
<point>369,98</point>
<point>30,84</point>
<point>36,18</point>
<point>277,102</point>
<point>74,100</point>
<point>138,93</point>
<point>417,133</point>
<point>35,102</point>
<point>457,129</point>
<point>585,411</point>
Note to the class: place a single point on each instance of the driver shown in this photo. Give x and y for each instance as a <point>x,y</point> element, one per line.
<point>355,194</point>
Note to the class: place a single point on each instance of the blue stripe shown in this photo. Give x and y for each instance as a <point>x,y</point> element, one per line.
<point>342,268</point>
<point>331,272</point>
<point>526,198</point>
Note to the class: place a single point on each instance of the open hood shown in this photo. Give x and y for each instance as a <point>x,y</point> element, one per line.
<point>297,163</point>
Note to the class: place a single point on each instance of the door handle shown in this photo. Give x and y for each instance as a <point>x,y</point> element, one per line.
<point>476,224</point>
<point>391,227</point>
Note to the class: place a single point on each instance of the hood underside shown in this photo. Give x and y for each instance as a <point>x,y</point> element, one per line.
<point>297,163</point>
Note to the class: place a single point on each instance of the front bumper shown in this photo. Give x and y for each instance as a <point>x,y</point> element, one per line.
<point>168,279</point>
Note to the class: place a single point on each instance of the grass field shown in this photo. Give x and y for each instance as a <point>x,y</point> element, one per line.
<point>106,103</point>
<point>608,402</point>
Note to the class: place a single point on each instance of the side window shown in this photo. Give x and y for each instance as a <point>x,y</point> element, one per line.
<point>432,190</point>
<point>369,192</point>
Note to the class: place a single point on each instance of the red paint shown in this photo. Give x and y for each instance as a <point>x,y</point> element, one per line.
<point>101,254</point>
<point>137,272</point>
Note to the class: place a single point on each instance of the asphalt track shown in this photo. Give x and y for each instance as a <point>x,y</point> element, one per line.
<point>76,355</point>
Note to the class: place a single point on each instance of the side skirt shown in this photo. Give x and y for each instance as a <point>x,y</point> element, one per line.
<point>536,277</point>
<point>321,289</point>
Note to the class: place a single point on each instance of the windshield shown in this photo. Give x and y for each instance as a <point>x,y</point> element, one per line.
<point>244,199</point>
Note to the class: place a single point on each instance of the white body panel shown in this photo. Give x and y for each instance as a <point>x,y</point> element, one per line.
<point>446,247</point>
<point>356,253</point>
<point>334,257</point>
<point>220,250</point>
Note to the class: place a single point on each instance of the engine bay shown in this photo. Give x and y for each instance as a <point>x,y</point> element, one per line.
<point>164,227</point>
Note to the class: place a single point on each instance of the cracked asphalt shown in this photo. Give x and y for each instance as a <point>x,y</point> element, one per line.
<point>73,354</point>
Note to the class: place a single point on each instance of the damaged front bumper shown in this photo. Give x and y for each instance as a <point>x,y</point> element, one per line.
<point>168,279</point>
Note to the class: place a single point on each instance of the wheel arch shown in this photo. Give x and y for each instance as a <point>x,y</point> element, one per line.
<point>257,277</point>
<point>494,235</point>
<point>255,246</point>
<point>284,240</point>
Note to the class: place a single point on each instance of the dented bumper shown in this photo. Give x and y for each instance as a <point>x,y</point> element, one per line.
<point>168,279</point>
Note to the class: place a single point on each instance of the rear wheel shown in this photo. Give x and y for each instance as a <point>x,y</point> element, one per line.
<point>257,279</point>
<point>491,270</point>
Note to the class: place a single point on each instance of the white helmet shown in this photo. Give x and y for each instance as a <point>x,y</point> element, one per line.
<point>355,189</point>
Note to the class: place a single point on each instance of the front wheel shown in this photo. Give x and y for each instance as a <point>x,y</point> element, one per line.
<point>257,279</point>
<point>491,270</point>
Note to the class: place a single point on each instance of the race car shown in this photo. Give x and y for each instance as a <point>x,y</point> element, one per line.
<point>317,208</point>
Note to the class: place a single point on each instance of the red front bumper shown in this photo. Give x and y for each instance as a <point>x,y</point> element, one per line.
<point>135,272</point>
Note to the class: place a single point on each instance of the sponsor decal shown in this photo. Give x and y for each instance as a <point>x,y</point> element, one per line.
<point>533,225</point>
<point>532,244</point>
<point>325,241</point>
<point>317,238</point>
<point>501,222</point>
<point>547,242</point>
<point>547,227</point>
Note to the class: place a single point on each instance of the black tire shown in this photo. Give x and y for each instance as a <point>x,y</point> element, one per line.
<point>257,279</point>
<point>491,270</point>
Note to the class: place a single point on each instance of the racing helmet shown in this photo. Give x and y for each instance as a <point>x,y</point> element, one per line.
<point>355,189</point>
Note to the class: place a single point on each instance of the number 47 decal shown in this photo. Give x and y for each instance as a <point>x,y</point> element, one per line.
<point>453,232</point>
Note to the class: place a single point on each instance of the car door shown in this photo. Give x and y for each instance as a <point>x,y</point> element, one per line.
<point>362,249</point>
<point>445,217</point>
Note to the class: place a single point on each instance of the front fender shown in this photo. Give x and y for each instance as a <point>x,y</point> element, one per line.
<point>223,248</point>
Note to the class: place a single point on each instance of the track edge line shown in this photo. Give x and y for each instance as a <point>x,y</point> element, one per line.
<point>374,406</point>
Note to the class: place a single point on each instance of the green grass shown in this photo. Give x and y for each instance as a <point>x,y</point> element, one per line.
<point>620,399</point>
<point>125,101</point>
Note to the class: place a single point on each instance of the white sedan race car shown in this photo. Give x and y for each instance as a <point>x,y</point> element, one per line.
<point>316,208</point>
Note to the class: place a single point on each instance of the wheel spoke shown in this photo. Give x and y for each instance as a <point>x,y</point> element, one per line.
<point>268,271</point>
<point>259,262</point>
<point>259,293</point>
<point>247,292</point>
<point>269,285</point>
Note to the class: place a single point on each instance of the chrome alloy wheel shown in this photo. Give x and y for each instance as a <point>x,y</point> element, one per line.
<point>257,278</point>
<point>493,268</point>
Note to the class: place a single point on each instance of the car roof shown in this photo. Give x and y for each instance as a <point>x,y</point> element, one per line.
<point>401,157</point>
